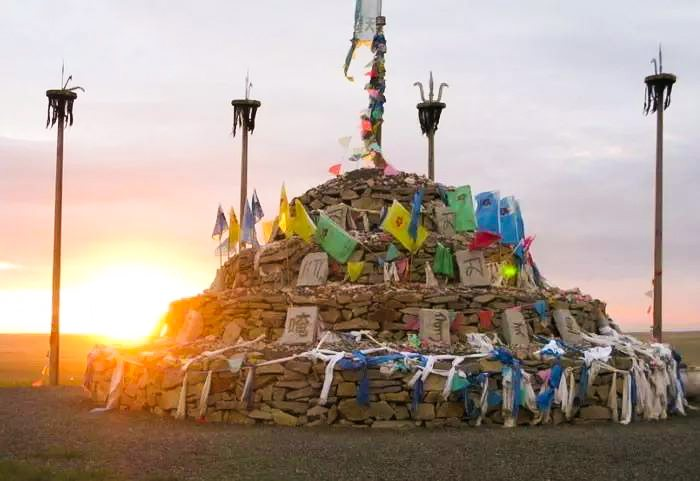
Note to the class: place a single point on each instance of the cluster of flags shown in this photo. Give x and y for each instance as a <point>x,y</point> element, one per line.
<point>243,231</point>
<point>500,216</point>
<point>494,219</point>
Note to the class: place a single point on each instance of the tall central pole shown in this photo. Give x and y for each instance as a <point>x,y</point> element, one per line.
<point>56,281</point>
<point>244,168</point>
<point>244,113</point>
<point>60,111</point>
<point>659,87</point>
<point>659,226</point>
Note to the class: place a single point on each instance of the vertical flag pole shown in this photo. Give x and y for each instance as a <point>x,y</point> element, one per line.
<point>244,112</point>
<point>658,99</point>
<point>60,111</point>
<point>429,112</point>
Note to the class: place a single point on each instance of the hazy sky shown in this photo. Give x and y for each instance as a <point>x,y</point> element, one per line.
<point>545,103</point>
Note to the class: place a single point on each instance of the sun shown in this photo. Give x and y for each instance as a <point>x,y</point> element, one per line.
<point>122,302</point>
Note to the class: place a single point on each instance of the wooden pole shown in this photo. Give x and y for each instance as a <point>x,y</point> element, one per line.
<point>244,178</point>
<point>659,86</point>
<point>658,222</point>
<point>431,155</point>
<point>56,282</point>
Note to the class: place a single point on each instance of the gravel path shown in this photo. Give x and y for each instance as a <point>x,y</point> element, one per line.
<point>53,427</point>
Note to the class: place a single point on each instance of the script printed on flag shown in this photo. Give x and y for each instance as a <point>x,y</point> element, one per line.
<point>435,326</point>
<point>313,270</point>
<point>515,330</point>
<point>445,219</point>
<point>472,269</point>
<point>568,328</point>
<point>300,326</point>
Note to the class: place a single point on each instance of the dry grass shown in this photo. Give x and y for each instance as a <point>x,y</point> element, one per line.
<point>687,343</point>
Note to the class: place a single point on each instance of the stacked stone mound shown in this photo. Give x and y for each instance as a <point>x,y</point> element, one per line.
<point>217,338</point>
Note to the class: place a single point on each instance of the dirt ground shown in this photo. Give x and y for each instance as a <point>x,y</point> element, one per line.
<point>48,434</point>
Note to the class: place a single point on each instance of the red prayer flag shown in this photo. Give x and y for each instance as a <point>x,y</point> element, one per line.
<point>412,323</point>
<point>457,323</point>
<point>486,320</point>
<point>483,239</point>
<point>335,169</point>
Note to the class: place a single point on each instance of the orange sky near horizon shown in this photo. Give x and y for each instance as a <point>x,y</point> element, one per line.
<point>150,156</point>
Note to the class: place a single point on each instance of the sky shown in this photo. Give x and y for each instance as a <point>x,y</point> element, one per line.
<point>545,103</point>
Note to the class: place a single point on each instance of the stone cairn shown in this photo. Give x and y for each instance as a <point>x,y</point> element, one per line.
<point>258,348</point>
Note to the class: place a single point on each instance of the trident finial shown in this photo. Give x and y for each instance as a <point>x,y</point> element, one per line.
<point>431,89</point>
<point>658,65</point>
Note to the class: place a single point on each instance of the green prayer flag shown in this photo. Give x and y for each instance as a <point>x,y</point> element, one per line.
<point>459,383</point>
<point>443,262</point>
<point>333,239</point>
<point>392,253</point>
<point>460,200</point>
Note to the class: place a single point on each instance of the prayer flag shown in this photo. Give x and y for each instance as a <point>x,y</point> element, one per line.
<point>284,220</point>
<point>460,201</point>
<point>267,228</point>
<point>487,211</point>
<point>392,253</point>
<point>415,213</point>
<point>443,262</point>
<point>334,240</point>
<point>303,226</point>
<point>389,170</point>
<point>486,320</point>
<point>335,169</point>
<point>508,221</point>
<point>541,308</point>
<point>355,270</point>
<point>345,141</point>
<point>221,225</point>
<point>256,208</point>
<point>366,13</point>
<point>483,240</point>
<point>248,227</point>
<point>396,223</point>
<point>519,221</point>
<point>234,231</point>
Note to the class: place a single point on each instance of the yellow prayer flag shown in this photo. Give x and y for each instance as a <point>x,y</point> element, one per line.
<point>267,227</point>
<point>396,223</point>
<point>355,270</point>
<point>302,226</point>
<point>284,220</point>
<point>234,230</point>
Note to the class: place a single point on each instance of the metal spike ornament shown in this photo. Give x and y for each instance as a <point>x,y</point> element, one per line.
<point>60,112</point>
<point>657,99</point>
<point>429,112</point>
<point>373,118</point>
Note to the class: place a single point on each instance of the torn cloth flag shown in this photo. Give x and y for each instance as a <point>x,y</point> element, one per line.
<point>256,208</point>
<point>366,13</point>
<point>221,225</point>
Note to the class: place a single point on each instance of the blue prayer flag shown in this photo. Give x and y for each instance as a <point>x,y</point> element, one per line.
<point>508,221</point>
<point>256,208</point>
<point>221,225</point>
<point>519,221</point>
<point>415,213</point>
<point>248,227</point>
<point>487,207</point>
